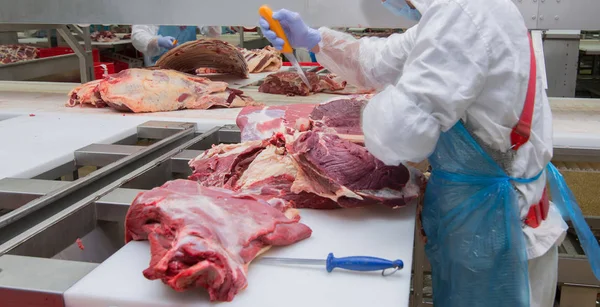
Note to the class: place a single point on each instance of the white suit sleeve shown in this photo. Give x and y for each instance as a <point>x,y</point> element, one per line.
<point>145,39</point>
<point>368,62</point>
<point>443,75</point>
<point>212,31</point>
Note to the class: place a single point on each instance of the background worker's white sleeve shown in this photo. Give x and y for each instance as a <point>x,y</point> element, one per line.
<point>368,62</point>
<point>444,73</point>
<point>145,39</point>
<point>212,31</point>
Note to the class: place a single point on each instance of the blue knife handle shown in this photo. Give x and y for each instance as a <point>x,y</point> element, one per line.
<point>361,263</point>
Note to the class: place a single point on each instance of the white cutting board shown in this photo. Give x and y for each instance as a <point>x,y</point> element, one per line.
<point>380,232</point>
<point>31,144</point>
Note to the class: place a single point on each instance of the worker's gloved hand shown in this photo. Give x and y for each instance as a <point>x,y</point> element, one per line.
<point>166,42</point>
<point>298,33</point>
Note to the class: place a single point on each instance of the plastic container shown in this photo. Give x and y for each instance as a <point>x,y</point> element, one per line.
<point>101,69</point>
<point>122,62</point>
<point>55,51</point>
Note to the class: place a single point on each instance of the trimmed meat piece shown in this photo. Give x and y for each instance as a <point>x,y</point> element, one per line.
<point>347,173</point>
<point>262,60</point>
<point>332,173</point>
<point>338,116</point>
<point>207,237</point>
<point>205,53</point>
<point>104,36</point>
<point>258,123</point>
<point>289,83</point>
<point>17,53</point>
<point>144,90</point>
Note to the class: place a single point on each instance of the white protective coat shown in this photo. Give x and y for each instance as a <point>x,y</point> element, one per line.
<point>466,59</point>
<point>145,38</point>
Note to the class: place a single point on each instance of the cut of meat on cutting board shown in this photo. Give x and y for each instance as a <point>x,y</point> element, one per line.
<point>385,233</point>
<point>289,83</point>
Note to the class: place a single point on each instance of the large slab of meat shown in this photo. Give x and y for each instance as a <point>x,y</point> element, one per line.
<point>289,83</point>
<point>205,53</point>
<point>206,237</point>
<point>104,36</point>
<point>339,116</point>
<point>17,53</point>
<point>144,90</point>
<point>310,169</point>
<point>262,60</point>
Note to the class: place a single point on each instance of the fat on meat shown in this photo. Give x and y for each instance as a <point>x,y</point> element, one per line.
<point>309,169</point>
<point>339,116</point>
<point>17,53</point>
<point>206,237</point>
<point>289,83</point>
<point>348,174</point>
<point>262,60</point>
<point>144,90</point>
<point>205,53</point>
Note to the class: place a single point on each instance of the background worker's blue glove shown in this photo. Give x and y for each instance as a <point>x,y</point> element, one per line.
<point>298,33</point>
<point>166,42</point>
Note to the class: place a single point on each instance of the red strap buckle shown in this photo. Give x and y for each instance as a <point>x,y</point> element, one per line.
<point>538,212</point>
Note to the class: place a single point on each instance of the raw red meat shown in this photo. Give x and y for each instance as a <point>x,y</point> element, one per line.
<point>262,60</point>
<point>258,123</point>
<point>334,173</point>
<point>205,53</point>
<point>339,115</point>
<point>80,244</point>
<point>207,237</point>
<point>104,36</point>
<point>17,53</point>
<point>289,83</point>
<point>143,90</point>
<point>347,173</point>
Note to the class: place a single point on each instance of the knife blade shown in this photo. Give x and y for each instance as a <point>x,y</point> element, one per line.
<point>353,263</point>
<point>287,50</point>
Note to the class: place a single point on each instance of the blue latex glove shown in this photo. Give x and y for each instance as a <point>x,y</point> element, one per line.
<point>166,42</point>
<point>298,33</point>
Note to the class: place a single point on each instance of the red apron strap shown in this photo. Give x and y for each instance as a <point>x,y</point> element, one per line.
<point>522,130</point>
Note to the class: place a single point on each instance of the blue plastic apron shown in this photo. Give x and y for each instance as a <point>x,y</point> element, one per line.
<point>182,34</point>
<point>472,221</point>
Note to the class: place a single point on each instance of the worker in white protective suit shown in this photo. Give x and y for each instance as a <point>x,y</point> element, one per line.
<point>153,41</point>
<point>462,89</point>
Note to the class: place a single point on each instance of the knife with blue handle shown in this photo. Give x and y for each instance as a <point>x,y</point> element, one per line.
<point>353,263</point>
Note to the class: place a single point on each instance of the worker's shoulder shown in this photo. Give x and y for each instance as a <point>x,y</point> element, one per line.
<point>494,21</point>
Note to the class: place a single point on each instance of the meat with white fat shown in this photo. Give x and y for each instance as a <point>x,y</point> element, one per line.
<point>143,90</point>
<point>206,237</point>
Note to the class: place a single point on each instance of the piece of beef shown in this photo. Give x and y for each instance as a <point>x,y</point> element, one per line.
<point>333,173</point>
<point>289,83</point>
<point>260,168</point>
<point>338,115</point>
<point>207,237</point>
<point>86,93</point>
<point>144,90</point>
<point>104,36</point>
<point>223,164</point>
<point>17,53</point>
<point>258,123</point>
<point>262,60</point>
<point>347,173</point>
<point>205,53</point>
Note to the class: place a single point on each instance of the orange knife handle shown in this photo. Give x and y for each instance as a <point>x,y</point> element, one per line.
<point>266,13</point>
